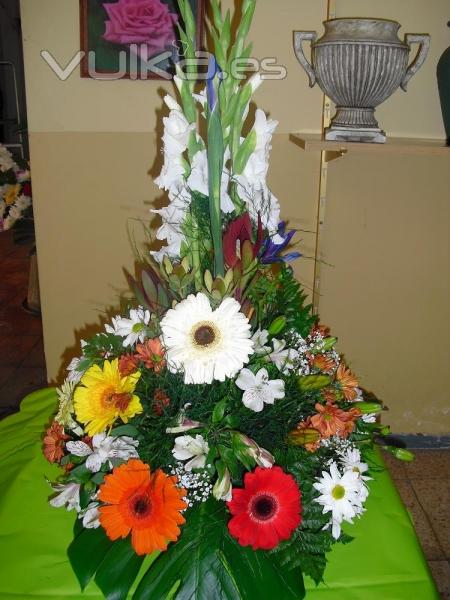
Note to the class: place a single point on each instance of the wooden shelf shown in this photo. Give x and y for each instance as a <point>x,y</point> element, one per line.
<point>413,146</point>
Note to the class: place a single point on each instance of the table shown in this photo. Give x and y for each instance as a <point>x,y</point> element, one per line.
<point>384,562</point>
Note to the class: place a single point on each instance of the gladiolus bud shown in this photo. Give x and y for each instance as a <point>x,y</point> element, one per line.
<point>222,489</point>
<point>261,456</point>
<point>400,453</point>
<point>367,408</point>
<point>301,437</point>
<point>277,325</point>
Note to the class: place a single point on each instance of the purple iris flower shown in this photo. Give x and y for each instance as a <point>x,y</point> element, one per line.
<point>271,250</point>
<point>213,82</point>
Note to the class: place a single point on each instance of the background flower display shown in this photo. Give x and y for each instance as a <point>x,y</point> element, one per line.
<point>213,425</point>
<point>133,38</point>
<point>15,190</point>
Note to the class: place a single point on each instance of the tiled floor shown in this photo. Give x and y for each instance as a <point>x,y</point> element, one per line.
<point>22,363</point>
<point>423,485</point>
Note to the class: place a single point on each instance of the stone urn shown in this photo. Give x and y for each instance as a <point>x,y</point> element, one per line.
<point>359,63</point>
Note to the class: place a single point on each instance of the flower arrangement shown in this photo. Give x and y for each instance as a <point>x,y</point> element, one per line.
<point>15,190</point>
<point>214,426</point>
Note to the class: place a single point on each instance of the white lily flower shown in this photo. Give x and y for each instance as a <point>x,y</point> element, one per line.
<point>172,173</point>
<point>171,251</point>
<point>171,103</point>
<point>260,339</point>
<point>90,516</point>
<point>177,130</point>
<point>68,496</point>
<point>187,447</point>
<point>104,450</point>
<point>259,389</point>
<point>284,358</point>
<point>198,180</point>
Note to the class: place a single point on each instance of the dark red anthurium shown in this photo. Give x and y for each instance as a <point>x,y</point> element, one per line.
<point>240,231</point>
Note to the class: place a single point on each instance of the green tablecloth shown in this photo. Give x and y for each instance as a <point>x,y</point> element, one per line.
<point>384,562</point>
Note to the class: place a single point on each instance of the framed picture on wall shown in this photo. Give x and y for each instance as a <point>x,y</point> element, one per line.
<point>133,39</point>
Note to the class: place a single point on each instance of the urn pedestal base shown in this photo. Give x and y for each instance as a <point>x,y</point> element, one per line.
<point>351,134</point>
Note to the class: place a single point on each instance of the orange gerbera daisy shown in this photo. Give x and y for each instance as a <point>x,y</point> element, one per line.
<point>160,402</point>
<point>151,353</point>
<point>324,362</point>
<point>54,441</point>
<point>352,415</point>
<point>128,364</point>
<point>144,503</point>
<point>330,420</point>
<point>347,381</point>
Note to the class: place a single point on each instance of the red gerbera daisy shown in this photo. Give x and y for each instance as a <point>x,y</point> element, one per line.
<point>267,510</point>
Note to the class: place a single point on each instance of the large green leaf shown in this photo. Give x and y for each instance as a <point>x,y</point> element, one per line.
<point>207,563</point>
<point>86,553</point>
<point>117,573</point>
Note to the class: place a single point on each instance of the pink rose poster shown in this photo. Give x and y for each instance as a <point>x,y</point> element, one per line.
<point>132,39</point>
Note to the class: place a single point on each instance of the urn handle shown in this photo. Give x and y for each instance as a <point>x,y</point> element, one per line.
<point>299,38</point>
<point>424,45</point>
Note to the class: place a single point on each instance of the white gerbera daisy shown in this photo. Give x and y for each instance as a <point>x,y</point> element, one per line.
<point>206,344</point>
<point>259,389</point>
<point>342,495</point>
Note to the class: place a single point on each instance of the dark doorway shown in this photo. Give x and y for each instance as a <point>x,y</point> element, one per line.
<point>13,125</point>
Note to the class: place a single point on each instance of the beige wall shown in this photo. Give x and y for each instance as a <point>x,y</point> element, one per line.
<point>93,144</point>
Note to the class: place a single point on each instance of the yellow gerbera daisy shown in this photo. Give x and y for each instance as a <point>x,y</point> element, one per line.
<point>105,396</point>
<point>11,194</point>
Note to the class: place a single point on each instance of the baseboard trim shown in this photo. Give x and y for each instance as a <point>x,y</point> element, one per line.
<point>424,442</point>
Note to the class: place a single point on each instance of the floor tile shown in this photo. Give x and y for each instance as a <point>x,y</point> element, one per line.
<point>428,539</point>
<point>396,467</point>
<point>14,320</point>
<point>440,570</point>
<point>13,348</point>
<point>429,464</point>
<point>36,357</point>
<point>22,382</point>
<point>5,373</point>
<point>433,495</point>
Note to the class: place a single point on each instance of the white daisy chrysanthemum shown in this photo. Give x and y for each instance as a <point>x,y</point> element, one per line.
<point>259,389</point>
<point>351,460</point>
<point>342,495</point>
<point>65,412</point>
<point>206,344</point>
<point>193,448</point>
<point>132,329</point>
